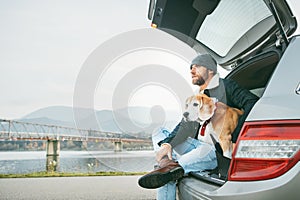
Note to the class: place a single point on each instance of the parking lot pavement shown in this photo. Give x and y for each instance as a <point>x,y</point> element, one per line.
<point>96,187</point>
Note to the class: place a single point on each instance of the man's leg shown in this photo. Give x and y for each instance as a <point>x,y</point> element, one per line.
<point>195,155</point>
<point>158,136</point>
<point>166,170</point>
<point>167,192</point>
<point>192,155</point>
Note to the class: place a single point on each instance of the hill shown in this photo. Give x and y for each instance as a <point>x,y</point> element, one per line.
<point>131,120</point>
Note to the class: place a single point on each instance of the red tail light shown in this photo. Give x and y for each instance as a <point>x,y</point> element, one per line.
<point>265,150</point>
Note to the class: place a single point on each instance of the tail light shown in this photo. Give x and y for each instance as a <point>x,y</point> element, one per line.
<point>265,150</point>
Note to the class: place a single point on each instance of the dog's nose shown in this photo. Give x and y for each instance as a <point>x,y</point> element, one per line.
<point>185,114</point>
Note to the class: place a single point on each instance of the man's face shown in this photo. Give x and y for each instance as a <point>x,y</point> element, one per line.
<point>199,74</point>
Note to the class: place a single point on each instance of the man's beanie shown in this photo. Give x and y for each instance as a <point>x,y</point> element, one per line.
<point>205,60</point>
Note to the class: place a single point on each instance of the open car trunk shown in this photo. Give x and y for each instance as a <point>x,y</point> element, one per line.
<point>246,37</point>
<point>254,75</point>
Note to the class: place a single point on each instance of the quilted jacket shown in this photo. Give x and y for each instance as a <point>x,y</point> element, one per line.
<point>228,92</point>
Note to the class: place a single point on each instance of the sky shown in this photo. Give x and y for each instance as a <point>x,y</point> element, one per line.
<point>46,44</point>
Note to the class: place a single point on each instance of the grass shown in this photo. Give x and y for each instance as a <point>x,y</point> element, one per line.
<point>64,174</point>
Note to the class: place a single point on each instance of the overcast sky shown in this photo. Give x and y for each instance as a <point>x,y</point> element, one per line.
<point>44,44</point>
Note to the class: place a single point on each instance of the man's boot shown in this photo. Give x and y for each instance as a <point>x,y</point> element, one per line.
<point>167,170</point>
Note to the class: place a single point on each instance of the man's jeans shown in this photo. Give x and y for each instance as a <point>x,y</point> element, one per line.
<point>192,155</point>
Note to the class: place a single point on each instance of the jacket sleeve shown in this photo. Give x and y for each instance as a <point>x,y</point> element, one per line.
<point>181,132</point>
<point>241,98</point>
<point>171,136</point>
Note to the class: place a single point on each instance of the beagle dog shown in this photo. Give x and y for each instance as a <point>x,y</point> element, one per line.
<point>216,118</point>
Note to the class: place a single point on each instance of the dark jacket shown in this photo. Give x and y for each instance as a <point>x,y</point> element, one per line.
<point>228,92</point>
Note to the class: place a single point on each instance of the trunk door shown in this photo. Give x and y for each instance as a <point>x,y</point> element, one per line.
<point>227,29</point>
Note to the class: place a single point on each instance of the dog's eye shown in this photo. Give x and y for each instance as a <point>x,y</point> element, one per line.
<point>195,104</point>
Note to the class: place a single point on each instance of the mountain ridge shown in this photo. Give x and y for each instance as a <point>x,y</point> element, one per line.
<point>125,120</point>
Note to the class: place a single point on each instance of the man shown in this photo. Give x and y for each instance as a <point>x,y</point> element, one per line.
<point>180,152</point>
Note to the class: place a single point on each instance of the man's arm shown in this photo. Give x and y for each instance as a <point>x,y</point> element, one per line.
<point>181,132</point>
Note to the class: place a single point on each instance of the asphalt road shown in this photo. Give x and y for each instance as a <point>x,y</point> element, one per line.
<point>96,187</point>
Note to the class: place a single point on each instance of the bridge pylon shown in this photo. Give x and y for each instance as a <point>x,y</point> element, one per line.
<point>53,150</point>
<point>118,146</point>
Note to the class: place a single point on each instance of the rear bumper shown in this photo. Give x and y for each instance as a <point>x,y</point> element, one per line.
<point>283,187</point>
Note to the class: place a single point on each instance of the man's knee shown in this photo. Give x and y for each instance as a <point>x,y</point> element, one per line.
<point>158,135</point>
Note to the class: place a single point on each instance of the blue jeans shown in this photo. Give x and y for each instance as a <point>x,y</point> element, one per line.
<point>192,155</point>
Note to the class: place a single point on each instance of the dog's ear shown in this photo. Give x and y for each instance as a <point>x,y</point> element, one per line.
<point>199,97</point>
<point>208,107</point>
<point>203,99</point>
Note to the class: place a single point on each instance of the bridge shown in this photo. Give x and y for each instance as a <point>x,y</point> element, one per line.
<point>11,130</point>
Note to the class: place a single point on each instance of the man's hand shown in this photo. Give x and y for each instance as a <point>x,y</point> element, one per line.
<point>165,150</point>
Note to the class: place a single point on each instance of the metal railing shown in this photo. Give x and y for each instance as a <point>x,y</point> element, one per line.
<point>16,130</point>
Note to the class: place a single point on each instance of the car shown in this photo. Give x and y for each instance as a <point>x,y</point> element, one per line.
<point>255,40</point>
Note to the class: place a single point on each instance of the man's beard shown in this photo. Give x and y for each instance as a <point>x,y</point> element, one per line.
<point>200,81</point>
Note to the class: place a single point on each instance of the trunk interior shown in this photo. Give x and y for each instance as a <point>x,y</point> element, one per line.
<point>254,75</point>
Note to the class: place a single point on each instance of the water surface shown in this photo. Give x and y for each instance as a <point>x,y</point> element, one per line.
<point>18,162</point>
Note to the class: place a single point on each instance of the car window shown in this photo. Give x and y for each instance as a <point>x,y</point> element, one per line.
<point>222,29</point>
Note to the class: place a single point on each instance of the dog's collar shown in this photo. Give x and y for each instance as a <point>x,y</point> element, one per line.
<point>203,127</point>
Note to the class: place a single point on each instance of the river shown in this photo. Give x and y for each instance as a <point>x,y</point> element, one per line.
<point>19,162</point>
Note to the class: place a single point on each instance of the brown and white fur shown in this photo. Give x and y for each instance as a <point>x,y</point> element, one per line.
<point>223,119</point>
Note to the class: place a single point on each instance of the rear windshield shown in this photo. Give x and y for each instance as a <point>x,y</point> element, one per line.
<point>222,29</point>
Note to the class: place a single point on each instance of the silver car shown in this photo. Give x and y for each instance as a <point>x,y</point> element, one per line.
<point>254,40</point>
